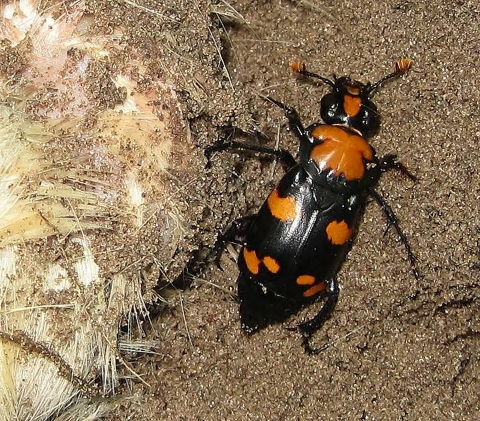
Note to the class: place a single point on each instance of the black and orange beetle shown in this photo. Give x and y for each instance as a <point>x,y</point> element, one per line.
<point>294,246</point>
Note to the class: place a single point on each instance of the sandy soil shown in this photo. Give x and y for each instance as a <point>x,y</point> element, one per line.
<point>399,348</point>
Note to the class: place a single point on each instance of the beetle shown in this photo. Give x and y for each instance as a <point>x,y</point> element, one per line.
<point>294,246</point>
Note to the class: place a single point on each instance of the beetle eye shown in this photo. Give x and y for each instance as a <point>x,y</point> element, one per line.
<point>369,118</point>
<point>329,106</point>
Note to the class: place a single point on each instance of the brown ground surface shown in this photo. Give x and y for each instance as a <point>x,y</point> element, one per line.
<point>400,348</point>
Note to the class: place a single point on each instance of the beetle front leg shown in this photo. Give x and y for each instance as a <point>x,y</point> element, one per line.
<point>293,119</point>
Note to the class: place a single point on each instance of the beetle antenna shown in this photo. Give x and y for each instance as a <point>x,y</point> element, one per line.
<point>401,67</point>
<point>300,68</point>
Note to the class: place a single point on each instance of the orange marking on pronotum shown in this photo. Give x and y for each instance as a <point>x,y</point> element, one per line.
<point>283,208</point>
<point>271,264</point>
<point>353,89</point>
<point>315,289</point>
<point>341,151</point>
<point>352,105</point>
<point>338,232</point>
<point>305,280</point>
<point>252,261</point>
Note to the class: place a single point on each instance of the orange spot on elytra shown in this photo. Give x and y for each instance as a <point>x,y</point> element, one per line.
<point>252,261</point>
<point>352,105</point>
<point>341,151</point>
<point>315,289</point>
<point>338,232</point>
<point>283,208</point>
<point>271,264</point>
<point>305,280</point>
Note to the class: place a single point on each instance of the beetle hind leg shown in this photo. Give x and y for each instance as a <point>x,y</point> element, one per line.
<point>393,221</point>
<point>390,162</point>
<point>236,231</point>
<point>311,326</point>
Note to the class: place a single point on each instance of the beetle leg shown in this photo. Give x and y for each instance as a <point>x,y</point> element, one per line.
<point>389,162</point>
<point>284,156</point>
<point>237,230</point>
<point>205,255</point>
<point>293,119</point>
<point>310,327</point>
<point>393,221</point>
